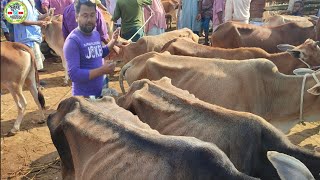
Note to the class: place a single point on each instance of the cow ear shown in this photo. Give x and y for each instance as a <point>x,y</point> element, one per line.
<point>302,71</point>
<point>315,90</point>
<point>285,47</point>
<point>116,49</point>
<point>288,167</point>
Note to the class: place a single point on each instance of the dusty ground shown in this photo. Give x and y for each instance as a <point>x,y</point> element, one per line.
<point>31,154</point>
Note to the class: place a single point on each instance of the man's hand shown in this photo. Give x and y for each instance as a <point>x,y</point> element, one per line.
<point>198,17</point>
<point>43,24</point>
<point>108,67</point>
<point>115,35</point>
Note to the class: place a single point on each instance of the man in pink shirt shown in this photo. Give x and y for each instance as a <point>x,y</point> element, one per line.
<point>59,5</point>
<point>157,23</point>
<point>217,13</point>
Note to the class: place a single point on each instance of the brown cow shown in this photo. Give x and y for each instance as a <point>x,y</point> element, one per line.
<point>18,68</point>
<point>107,17</point>
<point>54,37</point>
<point>244,137</point>
<point>254,86</point>
<point>100,140</point>
<point>150,43</point>
<point>277,20</point>
<point>286,62</point>
<point>234,35</point>
<point>170,7</point>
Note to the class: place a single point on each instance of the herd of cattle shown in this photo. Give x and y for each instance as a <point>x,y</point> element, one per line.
<point>192,111</point>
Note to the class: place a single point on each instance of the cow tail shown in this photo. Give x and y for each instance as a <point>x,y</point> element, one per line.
<point>122,73</point>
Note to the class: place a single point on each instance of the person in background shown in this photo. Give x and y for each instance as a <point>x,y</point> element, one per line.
<point>112,7</point>
<point>4,27</point>
<point>5,30</point>
<point>206,16</point>
<point>131,14</point>
<point>297,8</point>
<point>59,5</point>
<point>69,23</point>
<point>191,14</point>
<point>217,13</point>
<point>38,4</point>
<point>84,53</point>
<point>157,23</point>
<point>237,10</point>
<point>29,32</point>
<point>318,14</point>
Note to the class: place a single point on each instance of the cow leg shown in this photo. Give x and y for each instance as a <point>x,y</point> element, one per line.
<point>66,76</point>
<point>32,86</point>
<point>16,92</point>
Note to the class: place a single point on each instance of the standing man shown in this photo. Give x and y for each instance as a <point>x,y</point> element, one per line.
<point>29,32</point>
<point>4,27</point>
<point>237,10</point>
<point>59,5</point>
<point>217,13</point>
<point>191,15</point>
<point>206,16</point>
<point>69,23</point>
<point>131,14</point>
<point>157,24</point>
<point>84,52</point>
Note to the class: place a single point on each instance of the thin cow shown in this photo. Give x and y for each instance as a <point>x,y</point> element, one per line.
<point>305,55</point>
<point>18,68</point>
<point>100,140</point>
<point>244,137</point>
<point>234,35</point>
<point>254,85</point>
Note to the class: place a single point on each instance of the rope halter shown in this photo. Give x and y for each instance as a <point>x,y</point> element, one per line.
<point>302,94</point>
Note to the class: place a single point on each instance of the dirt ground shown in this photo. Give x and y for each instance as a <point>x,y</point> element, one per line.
<point>31,154</point>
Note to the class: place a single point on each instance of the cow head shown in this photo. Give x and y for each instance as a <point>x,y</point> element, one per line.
<point>308,52</point>
<point>117,53</point>
<point>185,32</point>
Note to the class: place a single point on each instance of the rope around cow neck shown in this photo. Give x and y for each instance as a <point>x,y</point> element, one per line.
<point>305,63</point>
<point>302,94</point>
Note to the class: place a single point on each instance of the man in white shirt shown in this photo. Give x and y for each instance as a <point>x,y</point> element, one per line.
<point>237,10</point>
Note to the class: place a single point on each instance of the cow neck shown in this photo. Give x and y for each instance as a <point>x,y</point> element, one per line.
<point>302,94</point>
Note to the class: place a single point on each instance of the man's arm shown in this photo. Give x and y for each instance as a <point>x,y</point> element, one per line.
<point>37,23</point>
<point>199,10</point>
<point>114,39</point>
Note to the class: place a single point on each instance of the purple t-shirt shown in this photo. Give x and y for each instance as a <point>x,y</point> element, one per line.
<point>69,22</point>
<point>83,53</point>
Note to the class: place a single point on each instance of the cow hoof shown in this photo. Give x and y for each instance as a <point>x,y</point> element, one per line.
<point>41,121</point>
<point>12,132</point>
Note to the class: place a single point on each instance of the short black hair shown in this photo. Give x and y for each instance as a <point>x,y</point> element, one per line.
<point>300,2</point>
<point>78,3</point>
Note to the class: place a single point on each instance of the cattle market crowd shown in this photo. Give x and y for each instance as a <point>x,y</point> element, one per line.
<point>212,97</point>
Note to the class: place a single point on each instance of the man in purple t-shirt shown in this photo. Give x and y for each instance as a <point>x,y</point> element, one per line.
<point>84,52</point>
<point>69,23</point>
